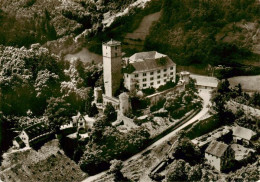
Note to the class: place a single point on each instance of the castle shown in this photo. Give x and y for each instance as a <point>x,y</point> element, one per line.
<point>140,71</point>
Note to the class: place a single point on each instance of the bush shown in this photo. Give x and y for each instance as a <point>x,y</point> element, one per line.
<point>148,91</point>
<point>158,105</point>
<point>167,85</point>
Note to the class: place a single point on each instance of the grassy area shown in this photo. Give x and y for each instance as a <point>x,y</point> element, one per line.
<point>202,127</point>
<point>248,82</point>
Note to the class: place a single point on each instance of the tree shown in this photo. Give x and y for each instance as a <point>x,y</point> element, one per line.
<point>58,112</point>
<point>110,112</point>
<point>93,110</point>
<point>187,151</point>
<point>177,171</point>
<point>115,168</point>
<point>195,173</point>
<point>191,86</point>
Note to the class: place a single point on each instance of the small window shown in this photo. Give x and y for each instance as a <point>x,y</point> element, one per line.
<point>144,80</point>
<point>144,74</point>
<point>116,47</point>
<point>151,83</point>
<point>151,73</point>
<point>165,70</point>
<point>127,75</point>
<point>144,85</point>
<point>158,76</point>
<point>165,80</point>
<point>158,82</point>
<point>171,68</point>
<point>116,54</point>
<point>151,78</point>
<point>136,75</point>
<point>171,73</point>
<point>159,71</point>
<point>165,75</point>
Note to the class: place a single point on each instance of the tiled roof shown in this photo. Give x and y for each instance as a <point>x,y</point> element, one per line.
<point>144,55</point>
<point>216,148</point>
<point>243,132</point>
<point>112,42</point>
<point>144,61</point>
<point>205,80</point>
<point>36,130</point>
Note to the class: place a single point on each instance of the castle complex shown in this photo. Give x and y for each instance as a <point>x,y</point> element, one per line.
<point>140,71</point>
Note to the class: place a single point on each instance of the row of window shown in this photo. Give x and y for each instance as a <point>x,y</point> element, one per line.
<point>158,82</point>
<point>158,77</point>
<point>152,73</point>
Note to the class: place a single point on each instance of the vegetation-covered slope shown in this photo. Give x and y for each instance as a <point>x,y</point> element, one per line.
<point>215,32</point>
<point>47,164</point>
<point>24,22</point>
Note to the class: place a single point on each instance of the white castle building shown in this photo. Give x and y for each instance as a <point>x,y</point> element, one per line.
<point>149,69</point>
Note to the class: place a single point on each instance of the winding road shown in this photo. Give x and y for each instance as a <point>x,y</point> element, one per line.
<point>204,94</point>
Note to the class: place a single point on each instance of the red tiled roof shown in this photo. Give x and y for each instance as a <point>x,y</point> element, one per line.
<point>144,61</point>
<point>216,148</point>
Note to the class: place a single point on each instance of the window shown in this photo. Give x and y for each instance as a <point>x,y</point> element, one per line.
<point>158,76</point>
<point>151,78</point>
<point>136,75</point>
<point>116,47</point>
<point>165,75</point>
<point>144,85</point>
<point>171,73</point>
<point>144,74</point>
<point>158,82</point>
<point>151,83</point>
<point>165,70</point>
<point>144,80</point>
<point>165,80</point>
<point>116,54</point>
<point>127,75</point>
<point>171,68</point>
<point>151,73</point>
<point>159,71</point>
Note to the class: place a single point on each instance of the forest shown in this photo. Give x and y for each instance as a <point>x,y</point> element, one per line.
<point>200,32</point>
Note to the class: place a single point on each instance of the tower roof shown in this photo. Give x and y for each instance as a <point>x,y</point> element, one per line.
<point>112,43</point>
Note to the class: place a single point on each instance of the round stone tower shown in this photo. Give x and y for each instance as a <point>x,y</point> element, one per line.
<point>124,103</point>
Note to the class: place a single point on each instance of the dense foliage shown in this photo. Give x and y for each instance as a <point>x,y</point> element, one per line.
<point>179,103</point>
<point>195,31</point>
<point>107,143</point>
<point>28,78</point>
<point>40,21</point>
<point>110,112</point>
<point>179,170</point>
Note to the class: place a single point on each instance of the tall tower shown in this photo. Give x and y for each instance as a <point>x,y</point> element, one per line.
<point>111,66</point>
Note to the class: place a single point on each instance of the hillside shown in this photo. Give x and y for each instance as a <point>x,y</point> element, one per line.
<point>25,22</point>
<point>47,164</point>
<point>207,32</point>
